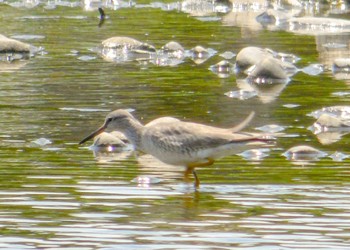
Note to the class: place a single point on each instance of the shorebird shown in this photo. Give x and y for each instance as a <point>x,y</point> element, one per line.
<point>180,143</point>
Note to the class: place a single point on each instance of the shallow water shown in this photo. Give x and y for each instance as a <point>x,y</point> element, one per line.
<point>55,194</point>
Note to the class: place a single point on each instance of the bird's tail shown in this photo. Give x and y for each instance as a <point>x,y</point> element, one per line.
<point>243,124</point>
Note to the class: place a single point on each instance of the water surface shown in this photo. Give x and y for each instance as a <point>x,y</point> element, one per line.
<point>59,195</point>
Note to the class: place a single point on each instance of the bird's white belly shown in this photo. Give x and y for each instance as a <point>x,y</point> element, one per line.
<point>173,156</point>
<point>181,157</point>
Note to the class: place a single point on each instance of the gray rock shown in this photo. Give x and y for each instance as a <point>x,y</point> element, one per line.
<point>268,68</point>
<point>8,45</point>
<point>128,44</point>
<point>250,56</point>
<point>341,65</point>
<point>330,121</point>
<point>303,152</point>
<point>340,111</point>
<point>173,47</point>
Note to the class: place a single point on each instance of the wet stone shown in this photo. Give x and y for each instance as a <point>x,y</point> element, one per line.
<point>241,94</point>
<point>86,58</point>
<point>272,128</point>
<point>146,180</point>
<point>303,152</point>
<point>128,44</point>
<point>255,154</point>
<point>41,142</point>
<point>340,111</point>
<point>338,156</point>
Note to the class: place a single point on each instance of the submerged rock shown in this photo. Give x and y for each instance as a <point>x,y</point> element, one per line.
<point>42,142</point>
<point>255,154</point>
<point>223,69</point>
<point>338,156</point>
<point>271,128</point>
<point>342,112</point>
<point>127,44</point>
<point>145,180</point>
<point>228,55</point>
<point>341,65</point>
<point>200,54</point>
<point>173,48</point>
<point>171,54</point>
<point>303,153</point>
<point>122,49</point>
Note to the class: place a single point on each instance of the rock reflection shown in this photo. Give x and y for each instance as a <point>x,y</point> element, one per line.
<point>333,53</point>
<point>110,147</point>
<point>330,137</point>
<point>171,54</point>
<point>107,155</point>
<point>330,125</point>
<point>267,92</point>
<point>341,68</point>
<point>11,66</point>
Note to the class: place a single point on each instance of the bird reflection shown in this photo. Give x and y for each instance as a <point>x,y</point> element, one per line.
<point>102,17</point>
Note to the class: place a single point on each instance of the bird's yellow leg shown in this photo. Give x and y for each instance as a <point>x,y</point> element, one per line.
<point>196,179</point>
<point>201,164</point>
<point>191,169</point>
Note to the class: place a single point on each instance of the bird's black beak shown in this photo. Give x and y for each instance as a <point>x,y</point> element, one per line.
<point>93,134</point>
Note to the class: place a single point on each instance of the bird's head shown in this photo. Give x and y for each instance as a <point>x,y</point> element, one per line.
<point>116,120</point>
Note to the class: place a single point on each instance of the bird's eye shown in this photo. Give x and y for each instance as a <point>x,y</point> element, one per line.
<point>109,119</point>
